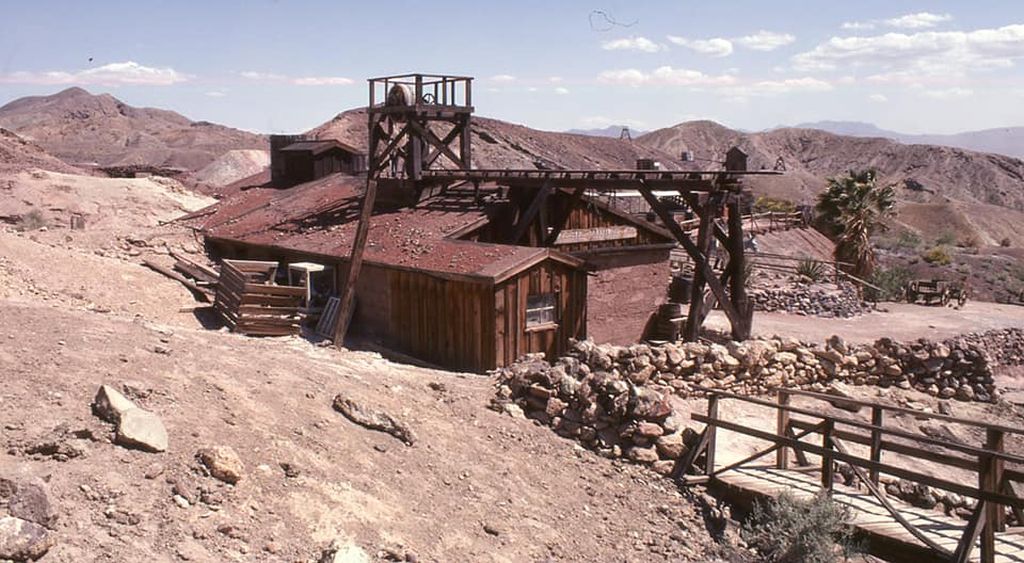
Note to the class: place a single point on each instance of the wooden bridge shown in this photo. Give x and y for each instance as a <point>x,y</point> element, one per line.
<point>891,528</point>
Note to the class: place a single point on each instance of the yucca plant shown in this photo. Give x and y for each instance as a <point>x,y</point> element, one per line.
<point>811,269</point>
<point>851,209</point>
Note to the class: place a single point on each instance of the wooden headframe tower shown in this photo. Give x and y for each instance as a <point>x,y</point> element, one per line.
<point>416,122</point>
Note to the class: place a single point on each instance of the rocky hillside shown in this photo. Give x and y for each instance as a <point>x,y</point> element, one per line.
<point>79,127</point>
<point>17,154</point>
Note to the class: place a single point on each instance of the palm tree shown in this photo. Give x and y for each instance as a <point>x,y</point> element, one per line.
<point>850,210</point>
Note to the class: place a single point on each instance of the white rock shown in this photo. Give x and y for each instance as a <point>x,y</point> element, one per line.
<point>142,429</point>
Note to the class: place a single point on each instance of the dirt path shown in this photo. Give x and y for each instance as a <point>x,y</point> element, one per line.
<point>899,321</point>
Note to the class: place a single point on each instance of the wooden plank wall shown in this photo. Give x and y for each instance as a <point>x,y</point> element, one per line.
<point>512,339</point>
<point>443,321</point>
<point>585,216</point>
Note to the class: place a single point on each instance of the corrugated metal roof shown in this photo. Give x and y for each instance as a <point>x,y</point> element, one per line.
<point>319,147</point>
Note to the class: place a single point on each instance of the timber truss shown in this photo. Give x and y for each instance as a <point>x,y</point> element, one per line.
<point>714,196</point>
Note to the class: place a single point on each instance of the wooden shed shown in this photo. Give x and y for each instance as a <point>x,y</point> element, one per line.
<point>306,160</point>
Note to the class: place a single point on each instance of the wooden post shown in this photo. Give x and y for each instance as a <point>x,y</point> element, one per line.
<point>696,314</point>
<point>876,441</point>
<point>995,441</point>
<point>709,456</point>
<point>737,267</point>
<point>355,263</point>
<point>782,429</point>
<point>826,459</point>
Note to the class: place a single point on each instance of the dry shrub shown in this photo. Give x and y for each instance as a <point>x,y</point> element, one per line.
<point>31,221</point>
<point>938,256</point>
<point>790,530</point>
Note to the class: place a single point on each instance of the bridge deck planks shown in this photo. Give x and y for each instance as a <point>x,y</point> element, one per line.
<point>868,515</point>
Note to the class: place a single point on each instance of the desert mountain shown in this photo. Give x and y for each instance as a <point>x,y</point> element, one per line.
<point>1002,140</point>
<point>610,131</point>
<point>499,144</point>
<point>79,127</point>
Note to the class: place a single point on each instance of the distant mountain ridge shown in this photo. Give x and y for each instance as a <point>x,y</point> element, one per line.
<point>1002,140</point>
<point>79,127</point>
<point>610,131</point>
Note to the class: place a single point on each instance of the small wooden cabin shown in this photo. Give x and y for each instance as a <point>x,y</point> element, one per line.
<point>295,160</point>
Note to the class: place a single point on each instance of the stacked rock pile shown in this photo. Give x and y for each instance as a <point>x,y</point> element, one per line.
<point>605,411</point>
<point>614,399</point>
<point>811,300</point>
<point>1005,347</point>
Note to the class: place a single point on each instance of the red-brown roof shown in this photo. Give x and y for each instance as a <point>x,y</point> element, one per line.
<point>320,217</point>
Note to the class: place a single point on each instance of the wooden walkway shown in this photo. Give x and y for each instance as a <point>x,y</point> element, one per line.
<point>894,530</point>
<point>870,518</point>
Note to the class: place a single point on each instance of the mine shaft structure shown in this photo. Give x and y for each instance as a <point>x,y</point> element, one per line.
<point>406,154</point>
<point>416,121</point>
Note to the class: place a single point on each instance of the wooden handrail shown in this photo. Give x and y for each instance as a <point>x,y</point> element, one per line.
<point>962,448</point>
<point>902,410</point>
<point>888,469</point>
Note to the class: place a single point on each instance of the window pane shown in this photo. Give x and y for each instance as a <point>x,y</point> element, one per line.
<point>540,309</point>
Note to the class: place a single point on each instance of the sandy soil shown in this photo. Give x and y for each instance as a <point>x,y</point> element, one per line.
<point>899,321</point>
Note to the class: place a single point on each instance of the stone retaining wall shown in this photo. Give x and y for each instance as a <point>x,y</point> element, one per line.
<point>842,301</point>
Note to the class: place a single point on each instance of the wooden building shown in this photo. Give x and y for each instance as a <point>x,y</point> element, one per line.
<point>296,160</point>
<point>436,286</point>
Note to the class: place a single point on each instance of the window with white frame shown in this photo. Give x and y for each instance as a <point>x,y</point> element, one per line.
<point>540,310</point>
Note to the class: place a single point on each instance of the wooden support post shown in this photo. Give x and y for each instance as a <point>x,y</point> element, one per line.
<point>990,477</point>
<point>876,441</point>
<point>355,263</point>
<point>701,265</point>
<point>782,429</point>
<point>699,259</point>
<point>996,440</point>
<point>709,456</point>
<point>737,267</point>
<point>559,221</point>
<point>526,217</point>
<point>827,471</point>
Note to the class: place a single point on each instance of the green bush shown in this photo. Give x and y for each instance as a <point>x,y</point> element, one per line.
<point>764,204</point>
<point>789,530</point>
<point>811,269</point>
<point>890,282</point>
<point>938,256</point>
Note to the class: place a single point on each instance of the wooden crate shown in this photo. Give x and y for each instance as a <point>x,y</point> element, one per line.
<point>250,302</point>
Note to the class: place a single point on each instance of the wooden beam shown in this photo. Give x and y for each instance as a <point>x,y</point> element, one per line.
<point>558,223</point>
<point>433,140</point>
<point>355,263</point>
<point>699,259</point>
<point>527,217</point>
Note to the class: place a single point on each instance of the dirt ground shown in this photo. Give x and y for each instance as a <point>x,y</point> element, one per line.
<point>900,321</point>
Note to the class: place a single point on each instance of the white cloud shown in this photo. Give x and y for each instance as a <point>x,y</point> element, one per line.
<point>949,93</point>
<point>715,47</point>
<point>503,78</point>
<point>555,79</point>
<point>878,98</point>
<point>561,91</point>
<point>322,81</point>
<point>858,26</point>
<point>297,81</point>
<point>766,40</point>
<point>215,94</point>
<point>113,74</point>
<point>532,89</point>
<point>632,44</point>
<point>920,20</point>
<point>664,76</point>
<point>901,57</point>
<point>779,87</point>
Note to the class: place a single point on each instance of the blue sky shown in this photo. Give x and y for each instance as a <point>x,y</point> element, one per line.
<point>288,65</point>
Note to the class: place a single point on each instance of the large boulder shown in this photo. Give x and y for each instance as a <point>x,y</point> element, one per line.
<point>31,501</point>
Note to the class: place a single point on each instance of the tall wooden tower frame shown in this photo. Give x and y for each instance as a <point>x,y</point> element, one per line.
<point>408,115</point>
